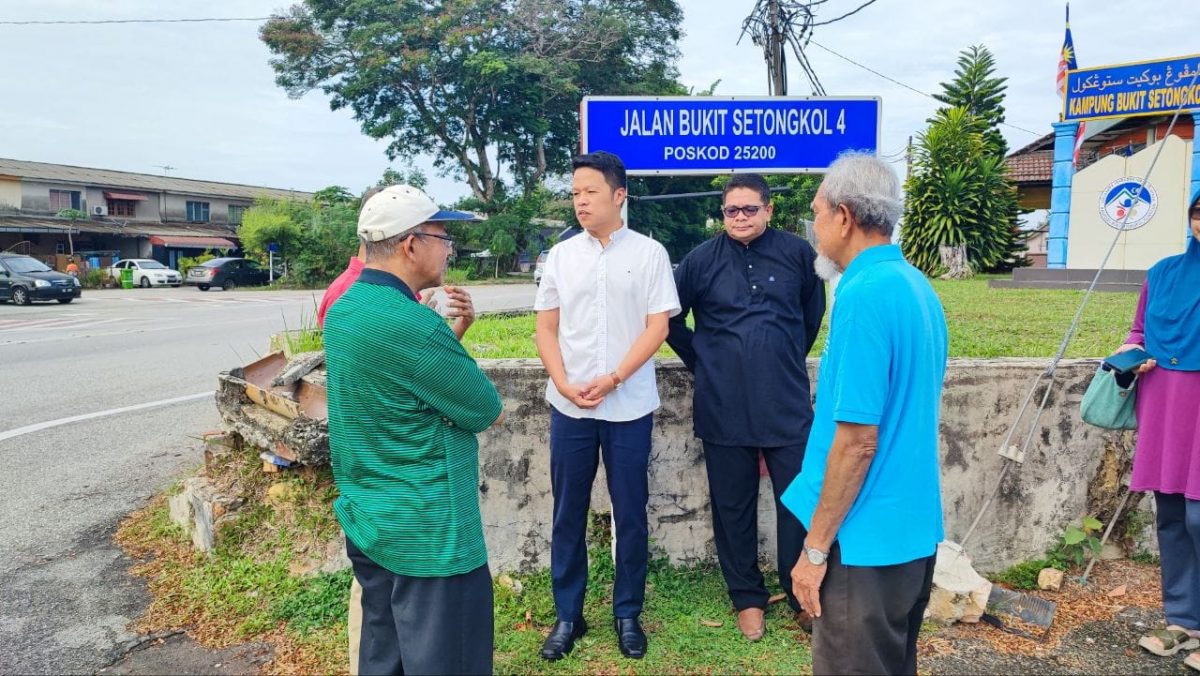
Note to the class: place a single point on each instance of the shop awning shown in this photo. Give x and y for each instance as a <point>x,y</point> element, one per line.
<point>124,196</point>
<point>179,242</point>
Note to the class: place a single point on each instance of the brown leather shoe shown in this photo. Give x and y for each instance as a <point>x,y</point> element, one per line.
<point>752,623</point>
<point>805,620</point>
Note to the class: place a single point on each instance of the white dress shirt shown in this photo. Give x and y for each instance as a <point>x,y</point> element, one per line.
<point>604,295</point>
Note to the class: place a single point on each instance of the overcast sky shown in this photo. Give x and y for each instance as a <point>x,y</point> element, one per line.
<point>201,97</point>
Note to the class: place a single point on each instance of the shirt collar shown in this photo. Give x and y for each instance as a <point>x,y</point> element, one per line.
<point>761,240</point>
<point>868,257</point>
<point>616,235</point>
<point>381,278</point>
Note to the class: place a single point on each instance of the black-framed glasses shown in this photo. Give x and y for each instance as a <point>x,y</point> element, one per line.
<point>445,238</point>
<point>749,210</point>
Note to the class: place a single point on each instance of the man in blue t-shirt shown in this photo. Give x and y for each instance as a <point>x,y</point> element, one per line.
<point>869,490</point>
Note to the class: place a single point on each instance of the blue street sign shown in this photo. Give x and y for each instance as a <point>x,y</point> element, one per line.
<point>1132,89</point>
<point>726,134</point>
<point>273,247</point>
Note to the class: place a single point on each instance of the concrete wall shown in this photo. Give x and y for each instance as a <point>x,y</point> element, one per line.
<point>146,210</point>
<point>175,207</point>
<point>1072,469</point>
<point>10,193</point>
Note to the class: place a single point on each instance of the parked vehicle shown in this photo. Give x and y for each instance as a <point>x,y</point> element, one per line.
<point>227,273</point>
<point>24,279</point>
<point>147,272</point>
<point>539,267</point>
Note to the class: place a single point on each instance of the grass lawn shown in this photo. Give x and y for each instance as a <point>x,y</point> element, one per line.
<point>254,587</point>
<point>982,322</point>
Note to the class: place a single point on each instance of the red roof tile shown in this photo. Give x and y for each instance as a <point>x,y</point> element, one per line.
<point>1031,167</point>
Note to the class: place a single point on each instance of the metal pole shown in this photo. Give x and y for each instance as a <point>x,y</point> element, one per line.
<point>271,264</point>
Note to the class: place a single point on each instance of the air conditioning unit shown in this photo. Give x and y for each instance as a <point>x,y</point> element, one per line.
<point>99,210</point>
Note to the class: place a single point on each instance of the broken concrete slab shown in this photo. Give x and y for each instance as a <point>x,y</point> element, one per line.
<point>959,593</point>
<point>199,508</point>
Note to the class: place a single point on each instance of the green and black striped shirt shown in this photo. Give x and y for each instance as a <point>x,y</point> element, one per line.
<point>405,404</point>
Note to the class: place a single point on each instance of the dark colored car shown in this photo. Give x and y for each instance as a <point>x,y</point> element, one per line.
<point>24,279</point>
<point>227,273</point>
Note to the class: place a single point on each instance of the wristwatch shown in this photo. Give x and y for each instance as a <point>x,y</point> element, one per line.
<point>617,382</point>
<point>815,556</point>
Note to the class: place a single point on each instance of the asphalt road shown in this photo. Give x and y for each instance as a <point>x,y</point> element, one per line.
<point>102,402</point>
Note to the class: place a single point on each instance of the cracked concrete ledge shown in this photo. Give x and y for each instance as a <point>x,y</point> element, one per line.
<point>1071,469</point>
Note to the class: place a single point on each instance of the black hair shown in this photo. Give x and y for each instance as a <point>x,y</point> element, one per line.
<point>606,163</point>
<point>754,182</point>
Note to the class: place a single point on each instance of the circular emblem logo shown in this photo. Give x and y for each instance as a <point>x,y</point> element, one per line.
<point>1126,204</point>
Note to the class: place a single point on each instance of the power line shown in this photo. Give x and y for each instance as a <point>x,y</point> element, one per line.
<point>94,22</point>
<point>908,87</point>
<point>860,8</point>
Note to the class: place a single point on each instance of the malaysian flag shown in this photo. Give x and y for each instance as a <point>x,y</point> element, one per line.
<point>1066,61</point>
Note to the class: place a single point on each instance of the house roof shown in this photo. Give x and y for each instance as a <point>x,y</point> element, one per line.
<point>111,227</point>
<point>1035,166</point>
<point>106,178</point>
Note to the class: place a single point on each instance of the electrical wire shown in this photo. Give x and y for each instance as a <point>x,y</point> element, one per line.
<point>95,22</point>
<point>906,86</point>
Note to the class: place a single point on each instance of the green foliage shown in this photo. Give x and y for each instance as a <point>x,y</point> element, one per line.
<point>1145,558</point>
<point>509,229</point>
<point>1080,542</point>
<point>976,89</point>
<point>93,278</point>
<point>184,263</point>
<point>959,194</point>
<point>476,83</point>
<point>317,602</point>
<point>316,238</point>
<point>408,176</point>
<point>73,215</point>
<point>1023,575</point>
<point>307,338</point>
<point>272,221</point>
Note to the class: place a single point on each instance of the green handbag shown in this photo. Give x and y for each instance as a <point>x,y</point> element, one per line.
<point>1106,404</point>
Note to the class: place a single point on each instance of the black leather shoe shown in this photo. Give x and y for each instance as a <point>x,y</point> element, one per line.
<point>630,637</point>
<point>561,640</point>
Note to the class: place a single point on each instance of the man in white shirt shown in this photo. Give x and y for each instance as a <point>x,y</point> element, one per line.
<point>603,308</point>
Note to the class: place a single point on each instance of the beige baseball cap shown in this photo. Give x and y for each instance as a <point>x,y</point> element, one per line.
<point>399,208</point>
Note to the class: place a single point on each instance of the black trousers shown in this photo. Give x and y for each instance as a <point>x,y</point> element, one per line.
<point>576,447</point>
<point>870,617</point>
<point>423,625</point>
<point>733,482</point>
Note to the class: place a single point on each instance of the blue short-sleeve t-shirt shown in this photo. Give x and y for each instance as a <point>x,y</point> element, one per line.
<point>883,365</point>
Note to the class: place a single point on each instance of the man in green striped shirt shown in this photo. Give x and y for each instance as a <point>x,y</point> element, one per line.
<point>405,403</point>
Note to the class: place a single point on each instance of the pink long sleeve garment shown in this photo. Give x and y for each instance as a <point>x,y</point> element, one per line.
<point>1167,455</point>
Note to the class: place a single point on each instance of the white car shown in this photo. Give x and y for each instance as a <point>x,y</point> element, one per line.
<point>147,272</point>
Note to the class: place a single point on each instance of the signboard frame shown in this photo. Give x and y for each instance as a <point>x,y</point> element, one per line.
<point>584,146</point>
<point>1106,72</point>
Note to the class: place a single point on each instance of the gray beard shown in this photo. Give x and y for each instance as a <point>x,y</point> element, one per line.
<point>825,268</point>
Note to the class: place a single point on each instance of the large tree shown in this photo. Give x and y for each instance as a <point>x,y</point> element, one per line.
<point>977,89</point>
<point>960,208</point>
<point>487,87</point>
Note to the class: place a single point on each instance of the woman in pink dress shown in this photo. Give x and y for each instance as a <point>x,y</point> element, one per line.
<point>1167,457</point>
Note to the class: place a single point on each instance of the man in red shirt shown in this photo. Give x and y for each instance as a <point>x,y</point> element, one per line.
<point>343,282</point>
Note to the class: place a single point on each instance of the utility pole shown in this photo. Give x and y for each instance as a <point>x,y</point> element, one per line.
<point>775,49</point>
<point>908,159</point>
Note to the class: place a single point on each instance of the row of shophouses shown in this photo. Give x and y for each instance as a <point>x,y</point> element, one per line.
<point>128,215</point>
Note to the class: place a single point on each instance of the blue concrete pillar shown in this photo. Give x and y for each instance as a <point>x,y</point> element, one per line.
<point>1195,156</point>
<point>1060,194</point>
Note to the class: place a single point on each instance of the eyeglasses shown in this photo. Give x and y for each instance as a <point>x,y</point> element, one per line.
<point>751,210</point>
<point>448,240</point>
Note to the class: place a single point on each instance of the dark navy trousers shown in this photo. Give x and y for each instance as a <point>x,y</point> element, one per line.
<point>576,446</point>
<point>1179,551</point>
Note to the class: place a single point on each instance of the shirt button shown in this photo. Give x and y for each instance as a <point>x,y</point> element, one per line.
<point>754,287</point>
<point>750,266</point>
